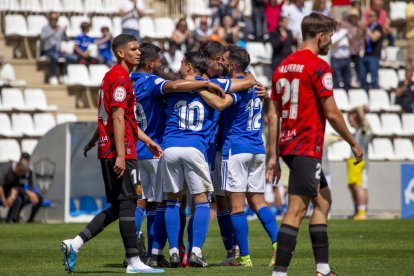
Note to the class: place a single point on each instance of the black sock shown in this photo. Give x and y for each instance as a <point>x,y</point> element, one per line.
<point>127,227</point>
<point>99,222</point>
<point>320,244</point>
<point>286,242</point>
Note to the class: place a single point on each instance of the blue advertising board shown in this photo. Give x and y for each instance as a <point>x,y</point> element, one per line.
<point>407,191</point>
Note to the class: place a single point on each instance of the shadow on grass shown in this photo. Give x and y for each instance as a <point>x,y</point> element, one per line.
<point>114,265</point>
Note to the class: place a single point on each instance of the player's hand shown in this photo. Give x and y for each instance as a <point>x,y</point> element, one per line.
<point>119,167</point>
<point>216,89</point>
<point>261,90</point>
<point>32,197</point>
<point>87,148</point>
<point>358,153</point>
<point>155,149</point>
<point>273,170</point>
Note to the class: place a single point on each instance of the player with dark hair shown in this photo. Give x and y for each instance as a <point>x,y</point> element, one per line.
<point>303,98</point>
<point>118,135</point>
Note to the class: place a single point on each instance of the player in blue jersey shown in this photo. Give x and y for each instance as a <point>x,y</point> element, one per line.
<point>243,153</point>
<point>150,91</point>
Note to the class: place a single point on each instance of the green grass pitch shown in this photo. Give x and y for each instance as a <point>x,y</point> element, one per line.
<point>374,247</point>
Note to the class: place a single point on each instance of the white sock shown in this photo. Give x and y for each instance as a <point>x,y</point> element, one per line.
<point>156,251</point>
<point>77,243</point>
<point>362,207</point>
<point>196,250</point>
<point>278,273</point>
<point>323,268</point>
<point>174,250</point>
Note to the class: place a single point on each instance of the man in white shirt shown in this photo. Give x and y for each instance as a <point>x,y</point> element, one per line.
<point>341,58</point>
<point>131,11</point>
<point>295,12</point>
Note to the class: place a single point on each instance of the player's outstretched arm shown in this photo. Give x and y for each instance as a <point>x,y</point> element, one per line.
<point>119,133</point>
<point>273,166</point>
<point>242,84</point>
<point>192,85</point>
<point>154,148</point>
<point>215,101</point>
<point>337,121</point>
<point>91,143</point>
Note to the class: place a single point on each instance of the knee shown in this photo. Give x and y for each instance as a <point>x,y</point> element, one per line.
<point>298,212</point>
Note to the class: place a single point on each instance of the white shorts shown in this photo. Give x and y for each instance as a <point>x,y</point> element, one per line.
<point>244,172</point>
<point>217,176</point>
<point>181,165</point>
<point>151,184</point>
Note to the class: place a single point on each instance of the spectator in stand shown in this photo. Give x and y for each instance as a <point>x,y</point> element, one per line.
<point>221,8</point>
<point>273,10</point>
<point>171,61</point>
<point>340,8</point>
<point>410,35</point>
<point>259,19</point>
<point>131,11</point>
<point>182,36</point>
<point>202,33</point>
<point>369,63</point>
<point>404,94</point>
<point>378,7</point>
<point>281,39</point>
<point>228,31</point>
<point>51,36</point>
<point>82,43</point>
<point>320,6</point>
<point>355,29</point>
<point>341,57</point>
<point>104,46</point>
<point>295,12</point>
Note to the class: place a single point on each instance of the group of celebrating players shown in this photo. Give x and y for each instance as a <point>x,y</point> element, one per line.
<point>201,136</point>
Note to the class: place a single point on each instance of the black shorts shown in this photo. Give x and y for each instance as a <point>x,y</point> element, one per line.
<point>124,188</point>
<point>305,175</point>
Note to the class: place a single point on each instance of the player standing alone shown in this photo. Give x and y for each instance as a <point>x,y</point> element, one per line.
<point>118,136</point>
<point>303,98</point>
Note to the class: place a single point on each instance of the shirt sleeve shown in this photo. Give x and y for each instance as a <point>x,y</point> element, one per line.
<point>157,86</point>
<point>119,92</point>
<point>236,97</point>
<point>78,41</point>
<point>322,79</point>
<point>224,83</point>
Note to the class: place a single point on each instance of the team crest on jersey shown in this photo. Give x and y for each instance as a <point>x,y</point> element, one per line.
<point>327,81</point>
<point>119,94</point>
<point>222,80</point>
<point>158,81</point>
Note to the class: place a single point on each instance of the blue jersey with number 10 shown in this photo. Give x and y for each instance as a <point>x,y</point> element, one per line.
<point>150,109</point>
<point>190,121</point>
<point>242,123</point>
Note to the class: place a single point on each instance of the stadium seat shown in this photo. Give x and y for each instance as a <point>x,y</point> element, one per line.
<point>341,99</point>
<point>67,46</point>
<point>259,52</point>
<point>10,5</point>
<point>104,204</point>
<point>62,118</point>
<point>388,78</point>
<point>6,127</point>
<point>391,124</point>
<point>110,6</point>
<point>339,151</point>
<point>407,124</point>
<point>94,6</point>
<point>44,122</point>
<point>190,24</point>
<point>13,100</point>
<point>70,6</point>
<point>97,23</point>
<point>78,75</point>
<point>15,25</point>
<point>397,10</point>
<point>52,5</point>
<point>404,149</point>
<point>75,22</point>
<point>146,27</point>
<point>30,6</point>
<point>8,75</point>
<point>357,97</point>
<point>35,99</point>
<point>375,123</point>
<point>97,73</point>
<point>382,149</point>
<point>63,22</point>
<point>380,101</point>
<point>164,27</point>
<point>73,210</point>
<point>87,204</point>
<point>28,145</point>
<point>197,7</point>
<point>117,26</point>
<point>23,123</point>
<point>9,150</point>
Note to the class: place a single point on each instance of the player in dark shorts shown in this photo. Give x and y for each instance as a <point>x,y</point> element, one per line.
<point>118,135</point>
<point>302,96</point>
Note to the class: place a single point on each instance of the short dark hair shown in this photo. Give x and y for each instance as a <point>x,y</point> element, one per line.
<point>315,23</point>
<point>239,56</point>
<point>149,52</point>
<point>121,40</point>
<point>212,49</point>
<point>198,61</point>
<point>25,155</point>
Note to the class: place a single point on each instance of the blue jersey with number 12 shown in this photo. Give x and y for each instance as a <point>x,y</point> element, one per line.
<point>242,123</point>
<point>150,109</point>
<point>190,121</point>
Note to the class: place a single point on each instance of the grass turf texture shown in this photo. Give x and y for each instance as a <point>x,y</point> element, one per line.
<point>374,247</point>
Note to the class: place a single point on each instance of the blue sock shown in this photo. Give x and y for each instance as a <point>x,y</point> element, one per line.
<point>172,222</point>
<point>224,222</point>
<point>150,230</point>
<point>160,232</point>
<point>182,227</point>
<point>200,224</point>
<point>241,230</point>
<point>139,214</point>
<point>268,221</point>
<point>190,234</point>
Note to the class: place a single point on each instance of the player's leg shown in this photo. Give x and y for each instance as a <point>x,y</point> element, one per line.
<point>183,221</point>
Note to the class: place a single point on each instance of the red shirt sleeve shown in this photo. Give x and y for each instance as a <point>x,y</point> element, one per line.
<point>322,79</point>
<point>119,92</point>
